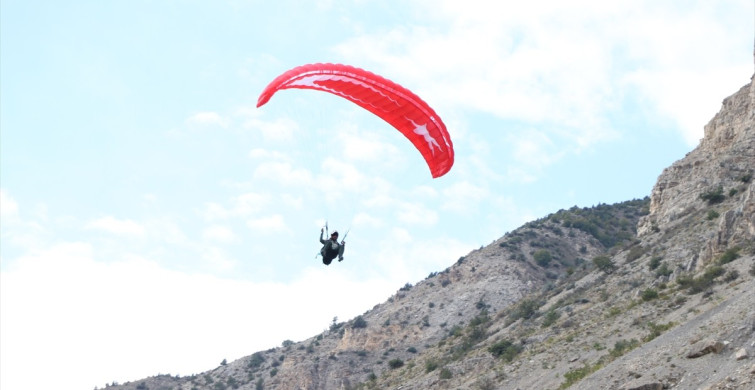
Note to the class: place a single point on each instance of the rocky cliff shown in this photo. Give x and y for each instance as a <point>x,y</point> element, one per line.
<point>720,167</point>
<point>653,293</point>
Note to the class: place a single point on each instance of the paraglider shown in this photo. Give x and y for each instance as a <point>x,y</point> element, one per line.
<point>398,106</point>
<point>331,248</point>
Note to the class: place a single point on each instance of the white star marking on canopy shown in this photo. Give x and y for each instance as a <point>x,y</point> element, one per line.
<point>422,130</point>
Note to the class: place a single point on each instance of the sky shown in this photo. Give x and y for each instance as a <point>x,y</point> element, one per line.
<point>154,221</point>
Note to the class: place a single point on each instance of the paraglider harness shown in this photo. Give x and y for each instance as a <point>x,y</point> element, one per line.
<point>331,248</point>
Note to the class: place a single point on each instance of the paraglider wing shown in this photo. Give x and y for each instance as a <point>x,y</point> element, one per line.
<point>393,103</point>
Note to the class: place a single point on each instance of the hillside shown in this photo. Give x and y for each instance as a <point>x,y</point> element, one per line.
<point>652,293</point>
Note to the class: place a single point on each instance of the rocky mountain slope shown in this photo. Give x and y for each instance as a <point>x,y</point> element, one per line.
<point>656,293</point>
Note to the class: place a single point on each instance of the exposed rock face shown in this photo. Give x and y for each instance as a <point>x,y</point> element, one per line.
<point>723,162</point>
<point>741,354</point>
<point>705,347</point>
<point>578,299</point>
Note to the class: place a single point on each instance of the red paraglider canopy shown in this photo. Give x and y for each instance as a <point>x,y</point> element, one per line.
<point>393,103</point>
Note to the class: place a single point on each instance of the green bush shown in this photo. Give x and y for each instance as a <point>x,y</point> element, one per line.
<point>609,224</point>
<point>445,373</point>
<point>485,383</point>
<point>359,322</point>
<point>614,311</point>
<point>479,319</point>
<point>731,276</point>
<point>542,257</point>
<point>525,309</point>
<point>475,334</point>
<point>623,346</point>
<point>456,331</point>
<point>700,284</point>
<point>575,376</point>
<point>649,294</point>
<point>712,214</point>
<point>395,363</point>
<point>335,325</point>
<point>714,196</point>
<point>256,360</point>
<point>550,318</point>
<point>730,255</point>
<point>657,329</point>
<point>505,349</point>
<point>431,365</point>
<point>604,263</point>
<point>663,270</point>
<point>655,262</point>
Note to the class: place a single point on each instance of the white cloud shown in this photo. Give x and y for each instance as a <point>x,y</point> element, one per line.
<point>463,197</point>
<point>217,259</point>
<point>117,226</point>
<point>16,232</point>
<point>219,233</point>
<point>292,201</point>
<point>339,178</point>
<point>366,220</point>
<point>268,225</point>
<point>8,206</point>
<point>264,154</point>
<point>404,258</point>
<point>552,62</point>
<point>125,308</point>
<point>521,174</point>
<point>534,149</point>
<point>213,211</point>
<point>687,59</point>
<point>279,130</point>
<point>400,236</point>
<point>417,214</point>
<point>283,173</point>
<point>485,61</point>
<point>150,198</point>
<point>166,231</point>
<point>240,206</point>
<point>424,192</point>
<point>246,204</point>
<point>208,118</point>
<point>672,93</point>
<point>362,146</point>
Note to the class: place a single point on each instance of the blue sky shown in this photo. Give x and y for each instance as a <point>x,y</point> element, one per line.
<point>155,221</point>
